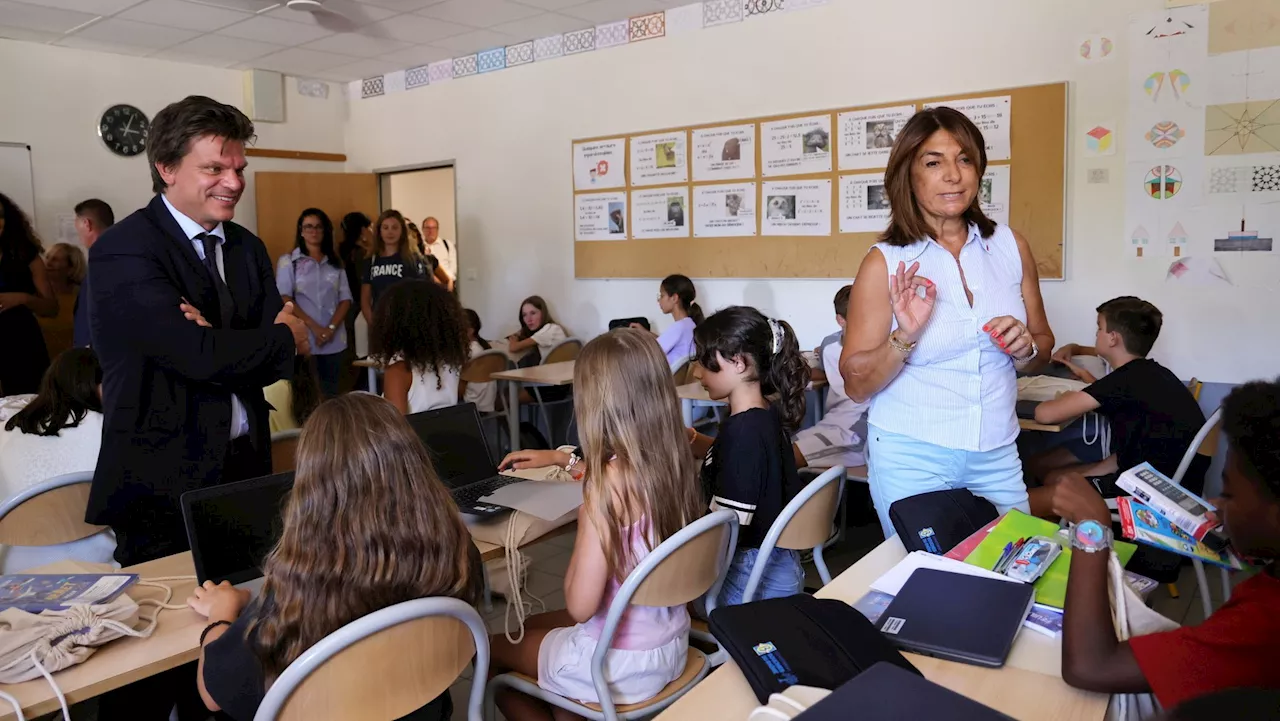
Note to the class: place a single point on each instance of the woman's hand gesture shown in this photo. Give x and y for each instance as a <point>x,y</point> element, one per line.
<point>910,308</point>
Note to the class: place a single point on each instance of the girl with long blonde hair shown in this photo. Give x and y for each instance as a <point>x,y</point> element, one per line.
<point>640,488</point>
<point>367,525</point>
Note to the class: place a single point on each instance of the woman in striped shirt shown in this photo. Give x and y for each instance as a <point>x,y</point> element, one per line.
<point>947,309</point>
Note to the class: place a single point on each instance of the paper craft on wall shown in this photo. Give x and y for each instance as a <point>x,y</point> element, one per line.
<point>600,164</point>
<point>1100,140</point>
<point>1197,271</point>
<point>993,116</point>
<point>1241,128</point>
<point>1162,182</point>
<point>1139,240</point>
<point>796,146</point>
<point>659,159</point>
<point>1095,49</point>
<point>800,207</point>
<point>864,204</point>
<point>1243,24</point>
<point>724,210</point>
<point>726,153</point>
<point>866,136</point>
<point>1178,239</point>
<point>601,216</point>
<point>993,193</point>
<point>660,213</point>
<point>1243,240</point>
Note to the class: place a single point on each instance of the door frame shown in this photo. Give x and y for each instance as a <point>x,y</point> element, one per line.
<point>383,173</point>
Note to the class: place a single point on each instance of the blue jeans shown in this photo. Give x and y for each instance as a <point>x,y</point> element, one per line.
<point>899,467</point>
<point>782,576</point>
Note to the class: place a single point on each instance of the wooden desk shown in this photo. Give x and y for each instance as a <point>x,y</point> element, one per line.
<point>1030,685</point>
<point>1027,424</point>
<point>551,374</point>
<point>374,367</point>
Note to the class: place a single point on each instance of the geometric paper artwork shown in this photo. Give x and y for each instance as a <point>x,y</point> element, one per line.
<point>1242,128</point>
<point>1228,180</point>
<point>1243,25</point>
<point>1178,239</point>
<point>1266,178</point>
<point>1177,81</point>
<point>1163,182</point>
<point>1100,141</point>
<point>1165,134</point>
<point>1139,240</point>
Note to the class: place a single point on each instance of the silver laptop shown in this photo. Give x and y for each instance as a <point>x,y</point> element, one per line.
<point>232,528</point>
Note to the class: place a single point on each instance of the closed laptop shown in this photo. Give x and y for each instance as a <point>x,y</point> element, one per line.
<point>886,692</point>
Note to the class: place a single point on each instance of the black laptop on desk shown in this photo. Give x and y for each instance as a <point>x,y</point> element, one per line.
<point>454,438</point>
<point>956,617</point>
<point>232,528</point>
<point>885,692</point>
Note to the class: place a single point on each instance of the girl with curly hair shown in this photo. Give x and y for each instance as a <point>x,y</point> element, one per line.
<point>419,334</point>
<point>25,292</point>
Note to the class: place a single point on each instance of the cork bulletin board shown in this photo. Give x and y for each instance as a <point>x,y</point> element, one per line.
<point>779,197</point>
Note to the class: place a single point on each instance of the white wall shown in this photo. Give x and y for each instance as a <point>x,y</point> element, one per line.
<point>54,97</point>
<point>422,193</point>
<point>509,133</point>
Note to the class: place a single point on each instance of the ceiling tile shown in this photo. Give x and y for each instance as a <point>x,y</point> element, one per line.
<point>102,46</point>
<point>604,11</point>
<point>93,7</point>
<point>190,58</point>
<point>297,61</point>
<point>479,13</point>
<point>400,6</point>
<point>33,17</point>
<point>415,29</point>
<point>361,46</point>
<point>542,25</point>
<point>129,32</point>
<point>271,30</point>
<point>34,36</point>
<point>250,6</point>
<point>364,68</point>
<point>476,40</point>
<point>208,48</point>
<point>185,15</point>
<point>551,4</point>
<point>417,55</point>
<point>339,16</point>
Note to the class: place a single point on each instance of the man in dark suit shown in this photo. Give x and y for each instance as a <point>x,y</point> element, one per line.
<point>93,217</point>
<point>182,396</point>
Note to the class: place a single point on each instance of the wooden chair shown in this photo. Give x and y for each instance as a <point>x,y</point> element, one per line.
<point>48,513</point>
<point>284,450</point>
<point>384,665</point>
<point>690,564</point>
<point>682,371</point>
<point>480,369</point>
<point>804,524</point>
<point>566,350</point>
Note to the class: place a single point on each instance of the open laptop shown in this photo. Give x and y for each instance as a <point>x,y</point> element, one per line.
<point>454,438</point>
<point>232,528</point>
<point>957,617</point>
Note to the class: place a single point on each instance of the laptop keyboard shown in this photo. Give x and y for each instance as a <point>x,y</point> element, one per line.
<point>471,494</point>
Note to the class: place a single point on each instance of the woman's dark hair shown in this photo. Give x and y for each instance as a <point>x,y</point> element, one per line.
<point>422,324</point>
<point>537,302</point>
<point>682,288</point>
<point>194,117</point>
<point>326,240</point>
<point>473,321</point>
<point>743,332</point>
<point>68,391</point>
<point>907,223</point>
<point>304,389</point>
<point>18,238</point>
<point>353,225</point>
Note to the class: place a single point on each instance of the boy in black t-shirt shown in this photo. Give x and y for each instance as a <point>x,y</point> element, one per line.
<point>1153,416</point>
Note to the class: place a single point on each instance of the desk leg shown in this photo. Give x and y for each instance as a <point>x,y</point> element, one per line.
<point>513,414</point>
<point>686,412</point>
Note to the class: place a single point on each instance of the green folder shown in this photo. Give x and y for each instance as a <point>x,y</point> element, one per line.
<point>1051,588</point>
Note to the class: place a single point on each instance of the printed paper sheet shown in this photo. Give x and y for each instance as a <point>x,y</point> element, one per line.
<point>727,153</point>
<point>797,208</point>
<point>659,159</point>
<point>864,204</point>
<point>866,136</point>
<point>724,210</point>
<point>993,193</point>
<point>601,216</point>
<point>993,116</point>
<point>600,164</point>
<point>660,213</point>
<point>796,146</point>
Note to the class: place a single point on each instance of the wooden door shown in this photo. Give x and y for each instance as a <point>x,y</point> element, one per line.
<point>282,196</point>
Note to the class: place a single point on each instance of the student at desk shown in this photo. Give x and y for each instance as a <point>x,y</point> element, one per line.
<point>344,553</point>
<point>1233,648</point>
<point>840,436</point>
<point>420,334</point>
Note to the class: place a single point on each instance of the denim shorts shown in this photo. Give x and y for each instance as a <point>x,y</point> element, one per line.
<point>783,576</point>
<point>899,466</point>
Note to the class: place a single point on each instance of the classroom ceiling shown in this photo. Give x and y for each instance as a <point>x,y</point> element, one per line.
<point>357,39</point>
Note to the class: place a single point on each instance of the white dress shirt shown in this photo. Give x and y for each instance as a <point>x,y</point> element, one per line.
<point>239,417</point>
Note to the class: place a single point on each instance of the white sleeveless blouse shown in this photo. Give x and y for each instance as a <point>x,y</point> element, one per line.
<point>958,389</point>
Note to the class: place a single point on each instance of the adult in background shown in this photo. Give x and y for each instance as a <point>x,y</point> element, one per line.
<point>183,396</point>
<point>93,217</point>
<point>393,259</point>
<point>24,293</point>
<point>441,248</point>
<point>946,310</point>
<point>66,266</point>
<point>312,278</point>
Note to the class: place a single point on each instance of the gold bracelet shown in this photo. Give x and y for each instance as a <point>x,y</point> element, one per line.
<point>901,346</point>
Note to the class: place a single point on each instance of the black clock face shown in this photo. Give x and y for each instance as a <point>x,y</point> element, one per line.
<point>124,130</point>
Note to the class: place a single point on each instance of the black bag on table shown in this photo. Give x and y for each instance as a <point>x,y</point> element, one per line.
<point>938,521</point>
<point>781,642</point>
<point>626,323</point>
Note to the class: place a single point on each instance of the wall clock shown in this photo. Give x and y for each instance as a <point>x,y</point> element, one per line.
<point>123,128</point>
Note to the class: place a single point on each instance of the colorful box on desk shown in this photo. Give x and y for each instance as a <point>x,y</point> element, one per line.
<point>1184,509</point>
<point>1051,589</point>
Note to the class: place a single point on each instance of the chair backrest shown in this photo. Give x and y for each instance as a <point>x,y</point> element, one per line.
<point>384,665</point>
<point>361,341</point>
<point>682,371</point>
<point>1195,386</point>
<point>804,523</point>
<point>284,450</point>
<point>481,368</point>
<point>1205,443</point>
<point>565,350</point>
<point>690,564</point>
<point>48,513</point>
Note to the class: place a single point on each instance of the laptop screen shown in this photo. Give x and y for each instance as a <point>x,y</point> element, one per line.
<point>456,443</point>
<point>233,527</point>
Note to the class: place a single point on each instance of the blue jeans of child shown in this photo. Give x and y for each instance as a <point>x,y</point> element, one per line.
<point>783,576</point>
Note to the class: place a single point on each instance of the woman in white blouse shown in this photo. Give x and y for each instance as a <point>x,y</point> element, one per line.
<point>420,335</point>
<point>946,310</point>
<point>56,432</point>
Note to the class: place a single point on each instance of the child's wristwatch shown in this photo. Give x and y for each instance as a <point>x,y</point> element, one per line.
<point>1090,536</point>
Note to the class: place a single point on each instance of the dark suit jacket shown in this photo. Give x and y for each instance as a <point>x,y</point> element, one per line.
<point>167,383</point>
<point>80,331</point>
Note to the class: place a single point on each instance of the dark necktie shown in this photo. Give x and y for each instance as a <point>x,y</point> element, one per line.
<point>226,306</point>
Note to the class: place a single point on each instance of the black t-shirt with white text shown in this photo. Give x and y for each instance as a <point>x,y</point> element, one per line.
<point>383,272</point>
<point>751,470</point>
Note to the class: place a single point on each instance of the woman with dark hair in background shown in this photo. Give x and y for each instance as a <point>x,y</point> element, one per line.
<point>675,298</point>
<point>312,278</point>
<point>55,432</point>
<point>356,246</point>
<point>484,395</point>
<point>344,552</point>
<point>25,292</point>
